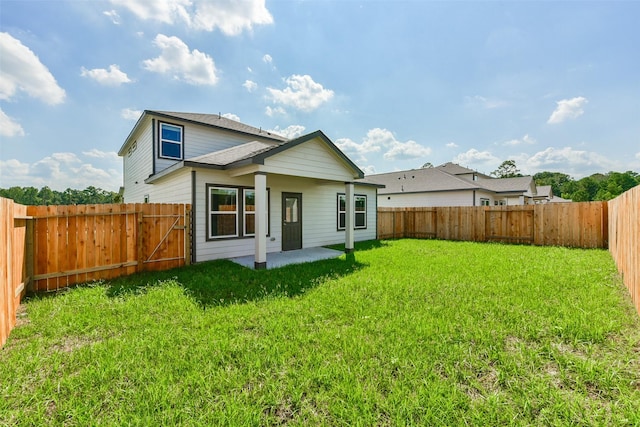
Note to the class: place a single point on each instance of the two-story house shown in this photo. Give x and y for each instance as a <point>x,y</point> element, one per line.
<point>251,191</point>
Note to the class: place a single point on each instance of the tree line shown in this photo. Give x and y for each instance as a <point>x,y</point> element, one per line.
<point>47,196</point>
<point>599,186</point>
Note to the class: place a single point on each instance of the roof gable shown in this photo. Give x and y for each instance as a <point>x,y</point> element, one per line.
<point>260,158</point>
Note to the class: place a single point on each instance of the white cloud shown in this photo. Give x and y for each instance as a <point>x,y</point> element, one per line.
<point>22,70</point>
<point>638,155</point>
<point>451,145</point>
<point>111,77</point>
<point>113,15</point>
<point>64,170</point>
<point>267,59</point>
<point>478,101</point>
<point>231,116</point>
<point>231,17</point>
<point>194,67</point>
<point>568,109</point>
<point>479,160</point>
<point>368,170</point>
<point>524,140</point>
<point>278,111</point>
<point>567,160</point>
<point>165,11</point>
<point>9,127</point>
<point>301,93</point>
<point>108,155</point>
<point>406,151</point>
<point>576,163</point>
<point>289,132</point>
<point>378,140</point>
<point>130,114</point>
<point>250,85</point>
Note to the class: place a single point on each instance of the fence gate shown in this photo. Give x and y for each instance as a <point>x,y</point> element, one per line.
<point>75,244</point>
<point>165,237</point>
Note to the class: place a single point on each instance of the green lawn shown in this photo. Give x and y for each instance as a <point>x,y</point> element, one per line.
<point>407,332</point>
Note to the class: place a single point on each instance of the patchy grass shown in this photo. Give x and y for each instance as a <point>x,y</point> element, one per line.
<point>406,332</point>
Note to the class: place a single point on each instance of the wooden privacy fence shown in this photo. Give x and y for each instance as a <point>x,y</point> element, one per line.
<point>624,239</point>
<point>80,243</point>
<point>13,254</point>
<point>581,225</point>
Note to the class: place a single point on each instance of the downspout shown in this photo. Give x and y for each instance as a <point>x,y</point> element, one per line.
<point>193,216</point>
<point>474,197</point>
<point>153,145</point>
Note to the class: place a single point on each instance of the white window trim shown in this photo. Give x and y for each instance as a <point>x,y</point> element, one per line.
<point>161,140</point>
<point>211,212</point>
<point>245,212</point>
<point>339,211</point>
<point>356,212</point>
<point>240,212</point>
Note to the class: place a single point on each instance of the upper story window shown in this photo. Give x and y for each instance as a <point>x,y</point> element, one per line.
<point>171,139</point>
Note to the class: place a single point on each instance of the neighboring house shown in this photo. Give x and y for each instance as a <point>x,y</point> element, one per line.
<point>453,185</point>
<point>251,191</point>
<point>545,195</point>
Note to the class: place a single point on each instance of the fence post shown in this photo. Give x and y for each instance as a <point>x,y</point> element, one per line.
<point>139,241</point>
<point>187,236</point>
<point>29,255</point>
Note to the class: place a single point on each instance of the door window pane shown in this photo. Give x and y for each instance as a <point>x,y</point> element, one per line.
<point>291,209</point>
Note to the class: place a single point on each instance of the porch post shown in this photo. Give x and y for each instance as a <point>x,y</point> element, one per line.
<point>349,217</point>
<point>260,184</point>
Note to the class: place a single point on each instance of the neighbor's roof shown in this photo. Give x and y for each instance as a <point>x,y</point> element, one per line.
<point>543,191</point>
<point>420,180</point>
<point>212,120</point>
<point>506,185</point>
<point>454,169</point>
<point>444,178</point>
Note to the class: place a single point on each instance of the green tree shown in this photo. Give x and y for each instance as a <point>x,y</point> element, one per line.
<point>507,169</point>
<point>556,180</point>
<point>616,183</point>
<point>47,196</point>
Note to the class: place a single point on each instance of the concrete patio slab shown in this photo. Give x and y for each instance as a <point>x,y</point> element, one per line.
<point>280,259</point>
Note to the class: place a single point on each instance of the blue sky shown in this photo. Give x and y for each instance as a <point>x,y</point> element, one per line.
<point>554,86</point>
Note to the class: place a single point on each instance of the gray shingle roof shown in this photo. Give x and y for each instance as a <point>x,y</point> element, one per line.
<point>504,185</point>
<point>233,154</point>
<point>419,180</point>
<point>218,121</point>
<point>443,178</point>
